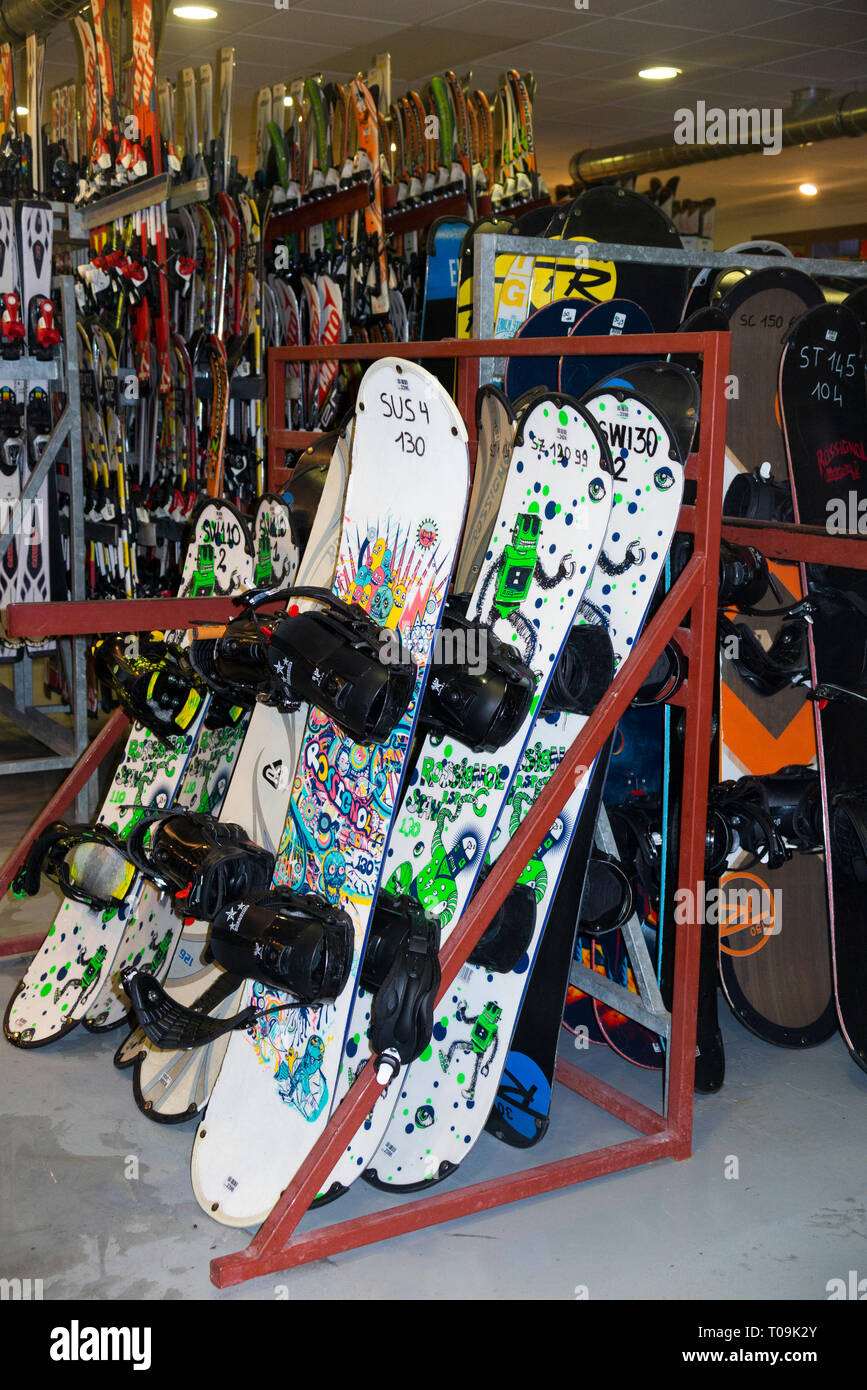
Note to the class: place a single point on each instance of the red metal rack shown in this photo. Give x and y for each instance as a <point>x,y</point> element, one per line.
<point>277,1245</point>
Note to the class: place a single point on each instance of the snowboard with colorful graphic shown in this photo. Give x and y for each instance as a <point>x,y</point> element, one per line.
<point>404,509</point>
<point>153,930</point>
<point>472,1039</point>
<point>541,552</point>
<point>66,974</point>
<point>778,983</point>
<point>171,1086</point>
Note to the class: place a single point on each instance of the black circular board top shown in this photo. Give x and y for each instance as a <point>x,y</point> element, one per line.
<point>616,317</point>
<point>551,321</point>
<point>616,215</point>
<point>823,404</point>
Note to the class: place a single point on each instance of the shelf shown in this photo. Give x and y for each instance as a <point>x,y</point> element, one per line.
<point>313,213</point>
<point>195,191</point>
<point>126,201</point>
<point>14,369</point>
<point>420,215</point>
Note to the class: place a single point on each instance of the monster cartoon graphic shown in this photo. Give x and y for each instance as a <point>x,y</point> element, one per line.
<point>91,971</point>
<point>536,873</point>
<point>305,1086</point>
<point>435,886</point>
<point>635,554</point>
<point>263,568</point>
<point>512,572</point>
<point>483,1036</point>
<point>204,578</point>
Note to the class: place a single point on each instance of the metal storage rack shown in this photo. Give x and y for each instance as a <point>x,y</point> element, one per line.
<point>67,746</point>
<point>665,1133</point>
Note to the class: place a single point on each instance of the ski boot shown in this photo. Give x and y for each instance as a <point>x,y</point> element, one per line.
<point>98,874</point>
<point>204,864</point>
<point>291,942</point>
<point>333,659</point>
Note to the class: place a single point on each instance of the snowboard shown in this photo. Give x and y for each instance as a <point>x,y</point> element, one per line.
<point>68,971</point>
<point>404,509</point>
<point>171,1086</point>
<point>614,318</point>
<point>639,534</point>
<point>455,794</point>
<point>823,405</point>
<point>777,983</point>
<point>152,932</point>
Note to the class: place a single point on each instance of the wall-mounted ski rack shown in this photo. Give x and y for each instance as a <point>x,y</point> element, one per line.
<point>295,219</point>
<point>66,745</point>
<point>139,196</point>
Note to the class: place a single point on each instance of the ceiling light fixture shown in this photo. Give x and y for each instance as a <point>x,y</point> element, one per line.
<point>22,110</point>
<point>809,190</point>
<point>288,101</point>
<point>661,74</point>
<point>194,12</point>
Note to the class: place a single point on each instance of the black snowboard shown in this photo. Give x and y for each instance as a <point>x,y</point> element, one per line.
<point>823,403</point>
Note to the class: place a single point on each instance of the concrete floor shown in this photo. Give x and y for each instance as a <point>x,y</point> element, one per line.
<point>795,1217</point>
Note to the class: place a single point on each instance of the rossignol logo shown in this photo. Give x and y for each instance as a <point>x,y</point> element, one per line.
<point>77,1343</point>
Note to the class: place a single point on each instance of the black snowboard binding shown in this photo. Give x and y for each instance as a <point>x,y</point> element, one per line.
<point>205,865</point>
<point>292,942</point>
<point>608,900</point>
<point>483,707</point>
<point>744,581</point>
<point>401,969</point>
<point>584,671</point>
<point>637,829</point>
<point>334,659</point>
<point>100,878</point>
<point>157,686</point>
<point>506,939</point>
<point>769,817</point>
<point>757,497</point>
<point>849,832</point>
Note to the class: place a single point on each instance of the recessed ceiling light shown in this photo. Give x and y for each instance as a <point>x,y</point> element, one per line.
<point>809,190</point>
<point>661,74</point>
<point>288,101</point>
<point>393,147</point>
<point>194,12</point>
<point>22,110</point>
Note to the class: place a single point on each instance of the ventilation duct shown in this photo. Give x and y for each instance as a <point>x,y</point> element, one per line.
<point>813,115</point>
<point>18,18</point>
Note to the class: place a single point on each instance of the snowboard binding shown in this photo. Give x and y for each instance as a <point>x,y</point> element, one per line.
<point>204,864</point>
<point>768,817</point>
<point>756,496</point>
<point>483,707</point>
<point>583,673</point>
<point>849,832</point>
<point>334,659</point>
<point>608,899</point>
<point>292,942</point>
<point>506,939</point>
<point>157,686</point>
<point>98,878</point>
<point>401,969</point>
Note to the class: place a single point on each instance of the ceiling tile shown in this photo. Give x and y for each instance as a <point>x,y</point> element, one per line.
<point>338,31</point>
<point>819,28</point>
<point>628,36</point>
<point>737,51</point>
<point>831,66</point>
<point>715,17</point>
<point>503,20</point>
<point>395,12</point>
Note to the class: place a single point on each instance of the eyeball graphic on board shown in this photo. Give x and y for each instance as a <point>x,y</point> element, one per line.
<point>596,489</point>
<point>663,478</point>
